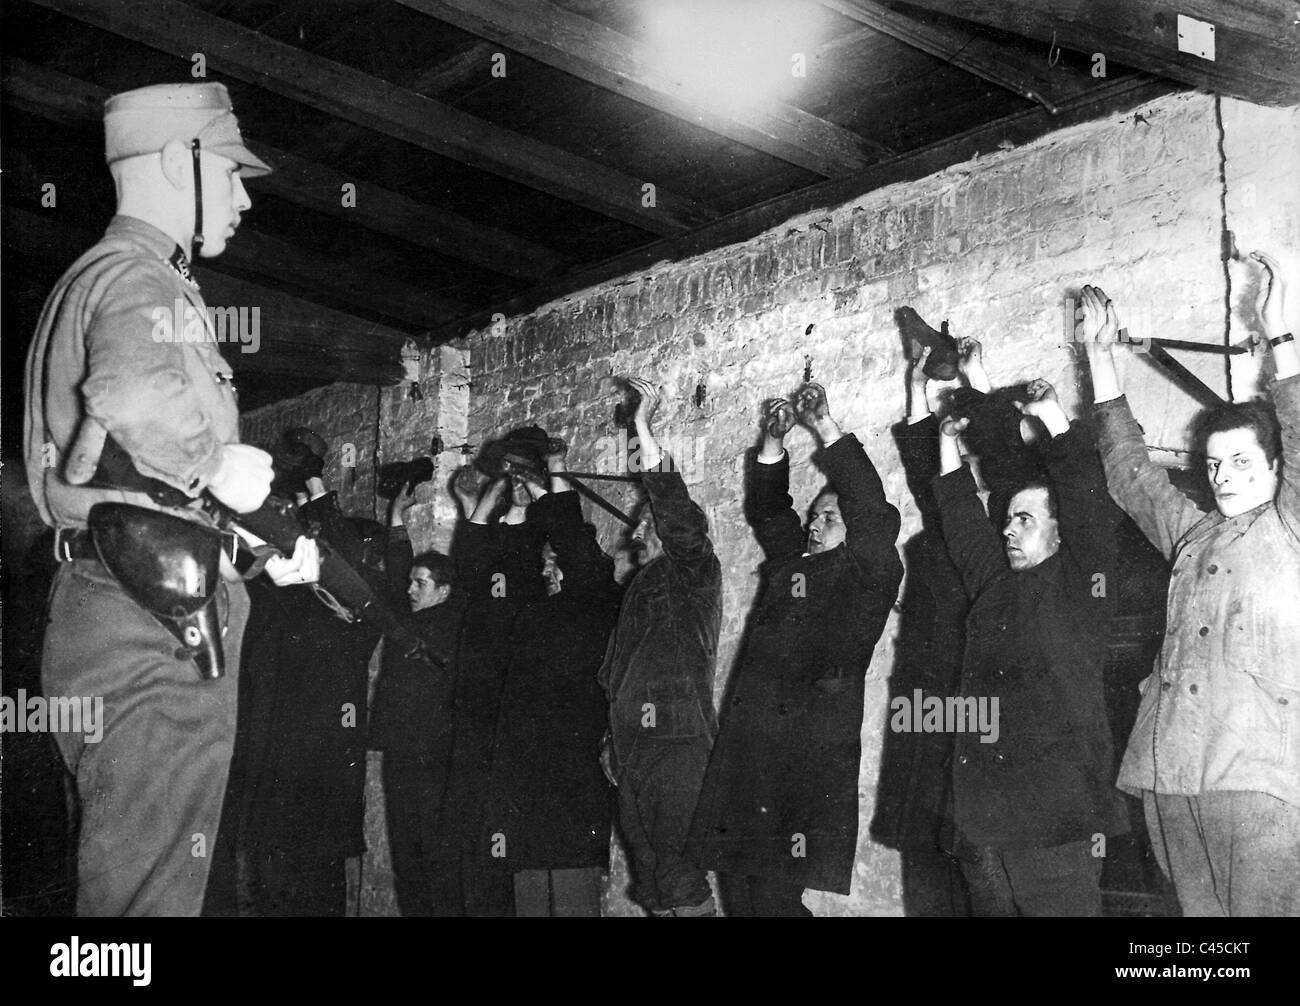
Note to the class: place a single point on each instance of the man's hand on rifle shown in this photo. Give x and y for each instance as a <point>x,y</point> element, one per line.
<point>301,567</point>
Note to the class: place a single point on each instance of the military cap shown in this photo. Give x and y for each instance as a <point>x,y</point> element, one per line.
<point>145,120</point>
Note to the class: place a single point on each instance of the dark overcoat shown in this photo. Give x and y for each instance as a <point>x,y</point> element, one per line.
<point>1036,642</point>
<point>915,767</point>
<point>780,799</point>
<point>549,797</point>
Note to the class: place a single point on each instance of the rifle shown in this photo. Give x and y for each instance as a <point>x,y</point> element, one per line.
<point>276,523</point>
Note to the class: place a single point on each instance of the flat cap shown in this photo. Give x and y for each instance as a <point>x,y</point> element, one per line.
<point>145,120</point>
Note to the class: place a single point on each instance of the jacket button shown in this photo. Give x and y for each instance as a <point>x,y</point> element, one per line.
<point>962,760</point>
<point>1282,701</point>
<point>1192,689</point>
<point>999,757</point>
<point>1166,685</point>
<point>1205,630</point>
<point>1212,568</point>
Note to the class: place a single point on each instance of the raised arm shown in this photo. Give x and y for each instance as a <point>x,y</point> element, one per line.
<point>1087,516</point>
<point>1136,483</point>
<point>398,552</point>
<point>871,522</point>
<point>1272,307</point>
<point>768,506</point>
<point>973,543</point>
<point>683,529</point>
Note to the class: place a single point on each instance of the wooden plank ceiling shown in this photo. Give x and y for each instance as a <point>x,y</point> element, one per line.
<point>477,192</point>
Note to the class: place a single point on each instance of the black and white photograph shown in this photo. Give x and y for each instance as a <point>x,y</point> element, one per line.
<point>652,458</point>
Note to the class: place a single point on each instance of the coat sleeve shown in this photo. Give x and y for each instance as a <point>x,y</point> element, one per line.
<point>579,554</point>
<point>918,449</point>
<point>1137,484</point>
<point>770,510</point>
<point>871,522</point>
<point>973,543</point>
<point>681,524</point>
<point>1088,518</point>
<point>1286,402</point>
<point>398,555</point>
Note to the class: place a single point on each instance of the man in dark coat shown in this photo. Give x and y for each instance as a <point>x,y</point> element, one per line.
<point>779,808</point>
<point>499,564</point>
<point>295,798</point>
<point>1032,786</point>
<point>411,723</point>
<point>549,800</point>
<point>658,676</point>
<point>912,794</point>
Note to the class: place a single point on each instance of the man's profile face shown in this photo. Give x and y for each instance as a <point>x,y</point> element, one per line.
<point>645,541</point>
<point>224,200</point>
<point>825,524</point>
<point>551,572</point>
<point>1032,534</point>
<point>1239,472</point>
<point>423,591</point>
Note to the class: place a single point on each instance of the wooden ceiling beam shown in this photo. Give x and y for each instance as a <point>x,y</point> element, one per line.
<point>1256,42</point>
<point>336,89</point>
<point>1110,96</point>
<point>1015,67</point>
<point>54,95</point>
<point>260,254</point>
<point>592,52</point>
<point>474,62</point>
<point>287,326</point>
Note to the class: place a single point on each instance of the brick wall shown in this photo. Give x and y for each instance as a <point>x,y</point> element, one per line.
<point>1136,203</point>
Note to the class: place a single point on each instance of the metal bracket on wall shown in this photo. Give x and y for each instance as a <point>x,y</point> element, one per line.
<point>596,497</point>
<point>1157,351</point>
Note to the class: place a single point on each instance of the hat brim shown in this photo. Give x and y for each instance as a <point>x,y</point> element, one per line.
<point>251,166</point>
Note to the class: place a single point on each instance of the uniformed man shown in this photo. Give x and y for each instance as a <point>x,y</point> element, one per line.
<point>123,408</point>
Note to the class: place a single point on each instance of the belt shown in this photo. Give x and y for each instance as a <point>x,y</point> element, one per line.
<point>78,543</point>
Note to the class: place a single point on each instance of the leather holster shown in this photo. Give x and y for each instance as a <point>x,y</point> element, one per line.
<point>171,567</point>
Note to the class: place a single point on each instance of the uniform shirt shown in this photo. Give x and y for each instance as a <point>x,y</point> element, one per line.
<point>103,350</point>
<point>1222,710</point>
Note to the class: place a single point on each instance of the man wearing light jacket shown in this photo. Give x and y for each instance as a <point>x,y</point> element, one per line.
<point>1214,753</point>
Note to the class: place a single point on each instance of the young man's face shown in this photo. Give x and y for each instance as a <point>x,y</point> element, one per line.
<point>825,524</point>
<point>1239,471</point>
<point>645,541</point>
<point>551,572</point>
<point>1032,534</point>
<point>423,591</point>
<point>224,200</point>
